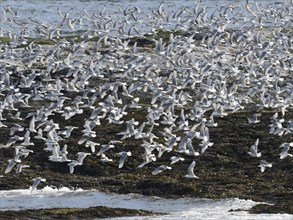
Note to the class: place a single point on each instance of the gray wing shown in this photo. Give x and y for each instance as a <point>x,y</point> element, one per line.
<point>191,168</point>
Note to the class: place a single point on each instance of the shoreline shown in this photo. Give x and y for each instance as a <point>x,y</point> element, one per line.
<point>75,213</point>
<point>239,177</point>
<point>76,106</point>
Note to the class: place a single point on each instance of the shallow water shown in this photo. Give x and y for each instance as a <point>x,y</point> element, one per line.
<point>47,12</point>
<point>49,197</point>
<point>185,208</point>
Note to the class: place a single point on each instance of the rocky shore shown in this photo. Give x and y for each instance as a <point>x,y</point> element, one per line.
<point>138,93</point>
<point>226,171</point>
<point>73,213</point>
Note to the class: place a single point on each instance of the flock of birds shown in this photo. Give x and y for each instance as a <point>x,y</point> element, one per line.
<point>182,83</point>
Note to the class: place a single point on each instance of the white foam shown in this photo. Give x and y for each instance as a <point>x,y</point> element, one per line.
<point>184,208</point>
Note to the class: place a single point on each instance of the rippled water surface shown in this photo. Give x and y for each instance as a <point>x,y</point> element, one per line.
<point>185,208</point>
<point>47,11</point>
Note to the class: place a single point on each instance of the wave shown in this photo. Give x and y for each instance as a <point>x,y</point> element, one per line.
<point>183,208</point>
<point>46,191</point>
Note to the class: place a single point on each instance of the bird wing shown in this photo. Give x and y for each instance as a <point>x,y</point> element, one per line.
<point>158,170</point>
<point>122,160</point>
<point>11,164</point>
<point>256,143</point>
<point>35,183</point>
<point>191,168</point>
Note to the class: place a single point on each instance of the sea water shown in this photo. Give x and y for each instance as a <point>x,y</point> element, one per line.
<point>47,11</point>
<point>184,208</point>
<point>49,197</point>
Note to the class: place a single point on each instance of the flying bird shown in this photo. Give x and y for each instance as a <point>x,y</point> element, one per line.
<point>254,150</point>
<point>123,155</point>
<point>263,165</point>
<point>190,171</point>
<point>36,182</point>
<point>161,169</point>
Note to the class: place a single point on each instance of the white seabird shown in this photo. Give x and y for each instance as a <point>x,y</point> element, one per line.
<point>148,157</point>
<point>81,156</point>
<point>263,165</point>
<point>161,169</point>
<point>14,128</point>
<point>175,159</point>
<point>104,148</point>
<point>72,164</point>
<point>20,167</point>
<point>32,125</point>
<point>27,139</point>
<point>123,155</point>
<point>254,119</point>
<point>36,182</point>
<point>286,147</point>
<point>92,145</point>
<point>67,133</point>
<point>11,164</point>
<point>105,159</point>
<point>253,149</point>
<point>190,172</point>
